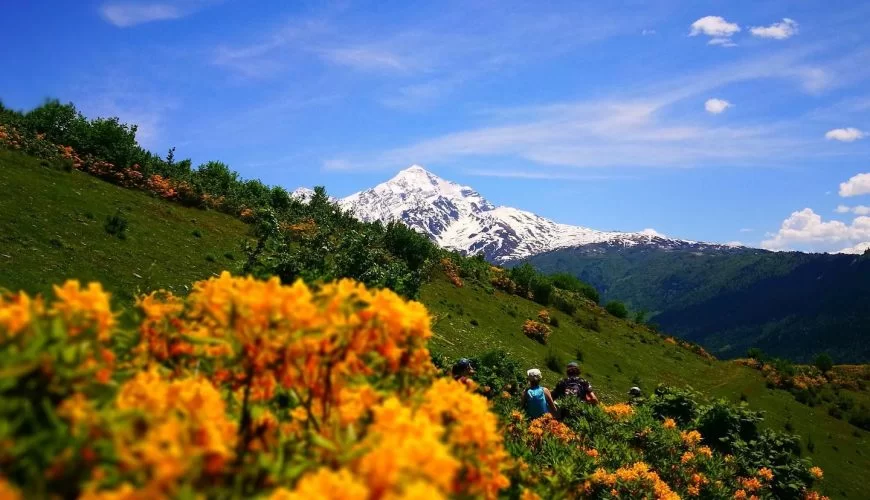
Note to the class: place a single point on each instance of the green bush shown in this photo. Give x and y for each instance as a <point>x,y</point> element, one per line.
<point>554,361</point>
<point>824,362</point>
<point>617,309</point>
<point>499,371</point>
<point>116,225</point>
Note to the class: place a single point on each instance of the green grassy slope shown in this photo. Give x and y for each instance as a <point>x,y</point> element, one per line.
<point>623,352</point>
<point>51,229</point>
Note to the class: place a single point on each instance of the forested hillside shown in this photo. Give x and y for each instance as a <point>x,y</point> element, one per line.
<point>790,304</point>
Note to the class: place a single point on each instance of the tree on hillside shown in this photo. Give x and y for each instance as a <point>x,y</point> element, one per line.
<point>617,309</point>
<point>824,362</point>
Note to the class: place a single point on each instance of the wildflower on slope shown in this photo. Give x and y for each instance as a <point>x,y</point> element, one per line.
<point>84,308</point>
<point>765,474</point>
<point>327,485</point>
<point>619,411</point>
<point>669,423</point>
<point>690,438</point>
<point>16,312</point>
<point>817,472</point>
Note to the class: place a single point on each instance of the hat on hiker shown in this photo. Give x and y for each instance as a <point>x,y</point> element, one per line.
<point>534,373</point>
<point>634,391</point>
<point>461,366</point>
<point>573,368</point>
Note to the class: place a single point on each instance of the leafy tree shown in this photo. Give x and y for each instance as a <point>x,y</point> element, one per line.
<point>617,309</point>
<point>542,289</point>
<point>523,275</point>
<point>824,362</point>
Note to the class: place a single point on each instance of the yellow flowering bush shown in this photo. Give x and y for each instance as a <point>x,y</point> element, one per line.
<point>245,386</point>
<point>256,389</point>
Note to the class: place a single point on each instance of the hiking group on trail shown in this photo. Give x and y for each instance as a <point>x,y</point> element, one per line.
<point>538,400</point>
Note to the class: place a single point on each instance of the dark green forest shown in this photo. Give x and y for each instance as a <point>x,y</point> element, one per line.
<point>789,304</point>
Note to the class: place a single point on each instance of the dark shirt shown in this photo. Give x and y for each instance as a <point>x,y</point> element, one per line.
<point>562,388</point>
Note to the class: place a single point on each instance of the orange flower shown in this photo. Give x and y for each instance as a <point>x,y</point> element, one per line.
<point>691,438</point>
<point>817,473</point>
<point>669,423</point>
<point>765,474</point>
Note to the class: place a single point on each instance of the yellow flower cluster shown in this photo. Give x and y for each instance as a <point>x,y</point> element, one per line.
<point>16,313</point>
<point>619,411</point>
<point>84,308</point>
<point>634,481</point>
<point>177,426</point>
<point>690,438</point>
<point>546,425</point>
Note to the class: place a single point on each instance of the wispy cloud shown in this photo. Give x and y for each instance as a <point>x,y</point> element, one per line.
<point>779,31</point>
<point>368,59</point>
<point>127,14</point>
<point>630,128</point>
<point>545,175</point>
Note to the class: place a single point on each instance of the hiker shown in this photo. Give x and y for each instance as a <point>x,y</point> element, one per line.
<point>635,396</point>
<point>537,400</point>
<point>462,371</point>
<point>573,385</point>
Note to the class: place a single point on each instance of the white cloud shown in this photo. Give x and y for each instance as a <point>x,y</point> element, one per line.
<point>805,227</point>
<point>130,14</point>
<point>723,42</point>
<point>716,106</point>
<point>858,249</point>
<point>367,59</point>
<point>779,31</point>
<point>856,186</point>
<point>717,28</point>
<point>647,32</point>
<point>857,210</point>
<point>714,26</point>
<point>849,134</point>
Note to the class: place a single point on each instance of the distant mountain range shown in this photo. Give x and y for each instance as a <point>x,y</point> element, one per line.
<point>459,218</point>
<point>728,298</point>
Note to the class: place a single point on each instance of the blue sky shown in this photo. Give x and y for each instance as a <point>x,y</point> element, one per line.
<point>719,121</point>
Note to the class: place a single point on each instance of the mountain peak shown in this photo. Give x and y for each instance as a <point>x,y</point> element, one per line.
<point>459,218</point>
<point>416,169</point>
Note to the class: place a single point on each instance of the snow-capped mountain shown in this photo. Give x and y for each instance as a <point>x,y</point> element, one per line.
<point>459,218</point>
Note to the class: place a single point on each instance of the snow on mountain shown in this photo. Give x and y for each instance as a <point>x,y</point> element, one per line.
<point>302,194</point>
<point>459,218</point>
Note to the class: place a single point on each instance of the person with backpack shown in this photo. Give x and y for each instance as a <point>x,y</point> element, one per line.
<point>537,401</point>
<point>462,371</point>
<point>574,386</point>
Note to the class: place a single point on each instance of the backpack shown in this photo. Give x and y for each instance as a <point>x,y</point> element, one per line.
<point>576,386</point>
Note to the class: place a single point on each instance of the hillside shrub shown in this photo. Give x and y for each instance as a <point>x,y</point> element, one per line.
<point>541,289</point>
<point>569,282</point>
<point>617,309</point>
<point>536,331</point>
<point>499,371</point>
<point>240,409</point>
<point>564,303</point>
<point>158,413</point>
<point>553,361</point>
<point>116,225</point>
<point>824,362</point>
